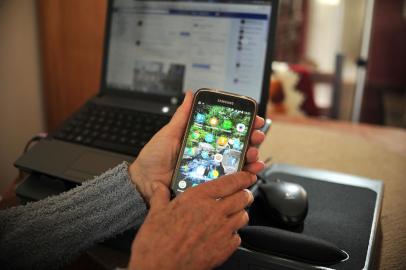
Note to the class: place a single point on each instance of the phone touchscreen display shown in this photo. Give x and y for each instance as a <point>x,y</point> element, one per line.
<point>214,144</point>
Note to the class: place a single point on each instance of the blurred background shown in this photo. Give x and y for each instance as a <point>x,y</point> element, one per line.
<point>334,48</point>
<point>340,60</point>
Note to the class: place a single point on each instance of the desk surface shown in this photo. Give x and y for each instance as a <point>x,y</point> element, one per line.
<point>369,151</point>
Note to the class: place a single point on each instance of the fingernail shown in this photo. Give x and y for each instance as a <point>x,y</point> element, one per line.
<point>251,197</point>
<point>253,178</point>
<point>184,99</point>
<point>154,186</point>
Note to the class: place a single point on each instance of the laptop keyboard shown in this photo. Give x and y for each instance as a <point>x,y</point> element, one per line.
<point>115,129</point>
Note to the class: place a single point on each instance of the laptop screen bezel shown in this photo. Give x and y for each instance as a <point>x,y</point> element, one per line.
<point>104,90</point>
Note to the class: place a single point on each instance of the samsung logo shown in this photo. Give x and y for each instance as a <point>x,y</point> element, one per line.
<point>225,101</point>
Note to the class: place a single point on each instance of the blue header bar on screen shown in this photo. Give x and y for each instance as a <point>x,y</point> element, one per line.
<point>219,14</point>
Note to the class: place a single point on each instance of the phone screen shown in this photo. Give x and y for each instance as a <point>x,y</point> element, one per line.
<point>214,145</point>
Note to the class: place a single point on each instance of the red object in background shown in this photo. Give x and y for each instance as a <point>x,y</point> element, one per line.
<point>306,87</point>
<point>276,94</point>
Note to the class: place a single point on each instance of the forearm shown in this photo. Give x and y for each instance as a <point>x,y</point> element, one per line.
<point>50,232</point>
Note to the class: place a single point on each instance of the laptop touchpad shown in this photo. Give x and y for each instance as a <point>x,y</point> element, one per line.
<point>91,164</point>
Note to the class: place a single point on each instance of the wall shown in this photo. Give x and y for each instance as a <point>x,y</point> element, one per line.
<point>324,33</point>
<point>335,26</point>
<point>354,12</point>
<point>21,113</point>
<point>388,45</point>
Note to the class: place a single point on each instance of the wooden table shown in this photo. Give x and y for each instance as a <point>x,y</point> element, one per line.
<point>364,150</point>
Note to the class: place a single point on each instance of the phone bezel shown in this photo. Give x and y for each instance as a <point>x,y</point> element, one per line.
<point>213,95</point>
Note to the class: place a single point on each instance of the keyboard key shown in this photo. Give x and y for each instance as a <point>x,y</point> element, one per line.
<point>70,137</point>
<point>87,141</point>
<point>133,142</point>
<point>61,135</point>
<point>113,138</point>
<point>78,138</point>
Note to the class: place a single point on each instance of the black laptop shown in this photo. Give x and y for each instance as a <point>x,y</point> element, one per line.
<point>155,51</point>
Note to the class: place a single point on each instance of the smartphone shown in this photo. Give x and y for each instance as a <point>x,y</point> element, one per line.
<point>215,140</point>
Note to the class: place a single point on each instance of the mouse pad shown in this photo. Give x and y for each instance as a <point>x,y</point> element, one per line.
<point>340,214</point>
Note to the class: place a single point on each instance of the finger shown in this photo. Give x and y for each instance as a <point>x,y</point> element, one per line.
<point>227,248</point>
<point>226,185</point>
<point>160,196</point>
<point>230,246</point>
<point>257,137</point>
<point>181,116</point>
<point>236,202</point>
<point>238,220</point>
<point>259,122</point>
<point>235,241</point>
<point>254,167</point>
<point>252,155</point>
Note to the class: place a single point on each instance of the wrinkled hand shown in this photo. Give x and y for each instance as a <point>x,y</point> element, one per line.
<point>157,159</point>
<point>197,230</point>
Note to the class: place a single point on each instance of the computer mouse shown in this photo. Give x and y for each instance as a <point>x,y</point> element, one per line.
<point>285,202</point>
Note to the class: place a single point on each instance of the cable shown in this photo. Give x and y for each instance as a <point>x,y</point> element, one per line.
<point>35,138</point>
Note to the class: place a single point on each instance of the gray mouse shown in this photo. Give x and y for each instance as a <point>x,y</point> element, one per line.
<point>285,202</point>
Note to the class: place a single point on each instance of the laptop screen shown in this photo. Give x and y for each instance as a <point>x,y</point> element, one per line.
<point>168,47</point>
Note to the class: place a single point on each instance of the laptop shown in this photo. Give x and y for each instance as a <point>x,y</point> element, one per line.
<point>154,51</point>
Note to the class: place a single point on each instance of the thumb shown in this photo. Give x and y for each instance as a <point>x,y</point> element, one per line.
<point>160,196</point>
<point>181,116</point>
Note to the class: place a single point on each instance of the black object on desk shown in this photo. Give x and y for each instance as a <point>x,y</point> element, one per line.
<point>282,201</point>
<point>291,245</point>
<point>343,210</point>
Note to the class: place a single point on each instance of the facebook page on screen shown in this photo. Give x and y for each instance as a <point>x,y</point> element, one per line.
<point>169,47</point>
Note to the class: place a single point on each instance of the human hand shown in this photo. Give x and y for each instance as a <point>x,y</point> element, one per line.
<point>196,230</point>
<point>157,159</point>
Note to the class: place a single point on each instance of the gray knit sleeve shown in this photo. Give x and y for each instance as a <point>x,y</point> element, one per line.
<point>49,233</point>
